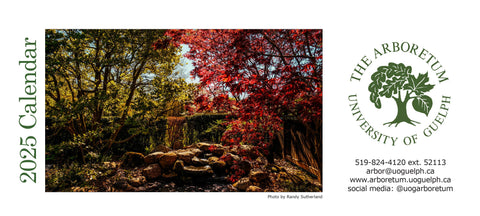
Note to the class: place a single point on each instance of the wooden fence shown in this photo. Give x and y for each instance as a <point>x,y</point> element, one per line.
<point>302,145</point>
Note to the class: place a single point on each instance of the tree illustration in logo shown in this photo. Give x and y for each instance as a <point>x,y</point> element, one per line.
<point>396,81</point>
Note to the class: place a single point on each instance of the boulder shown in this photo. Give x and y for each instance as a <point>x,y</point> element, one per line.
<point>197,152</point>
<point>258,175</point>
<point>218,151</point>
<point>169,175</point>
<point>185,155</point>
<point>162,148</point>
<point>253,188</point>
<point>230,158</point>
<point>208,147</point>
<point>212,159</point>
<point>242,184</point>
<point>133,159</point>
<point>178,166</point>
<point>190,146</point>
<point>199,162</point>
<point>153,157</point>
<point>152,171</point>
<point>203,146</point>
<point>193,171</point>
<point>245,150</point>
<point>167,160</point>
<point>219,166</point>
<point>245,166</point>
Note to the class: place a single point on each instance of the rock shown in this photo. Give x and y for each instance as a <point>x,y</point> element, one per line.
<point>199,162</point>
<point>178,166</point>
<point>137,181</point>
<point>241,148</point>
<point>141,189</point>
<point>203,171</point>
<point>230,158</point>
<point>167,160</point>
<point>212,159</point>
<point>169,175</point>
<point>214,148</point>
<point>236,157</point>
<point>111,165</point>
<point>245,150</point>
<point>153,171</point>
<point>218,150</point>
<point>133,159</point>
<point>190,146</point>
<point>253,188</point>
<point>219,166</point>
<point>258,175</point>
<point>162,148</point>
<point>153,157</point>
<point>197,152</point>
<point>245,165</point>
<point>185,156</point>
<point>123,185</point>
<point>242,184</point>
<point>203,146</point>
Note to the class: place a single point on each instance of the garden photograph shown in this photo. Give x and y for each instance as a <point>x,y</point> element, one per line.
<point>183,110</point>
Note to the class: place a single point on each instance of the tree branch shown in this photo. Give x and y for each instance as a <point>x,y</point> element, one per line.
<point>276,47</point>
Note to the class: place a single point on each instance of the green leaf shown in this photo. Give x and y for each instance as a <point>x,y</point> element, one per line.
<point>373,87</point>
<point>418,84</point>
<point>409,70</point>
<point>383,69</point>
<point>392,87</point>
<point>374,98</point>
<point>388,81</point>
<point>378,104</point>
<point>403,71</point>
<point>383,77</point>
<point>387,90</point>
<point>390,73</point>
<point>375,76</point>
<point>423,104</point>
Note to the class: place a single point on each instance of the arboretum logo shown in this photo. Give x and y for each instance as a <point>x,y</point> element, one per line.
<point>399,94</point>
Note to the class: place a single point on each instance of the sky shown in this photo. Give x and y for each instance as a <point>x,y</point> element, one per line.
<point>186,67</point>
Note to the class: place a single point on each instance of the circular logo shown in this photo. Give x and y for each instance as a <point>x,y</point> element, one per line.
<point>399,94</point>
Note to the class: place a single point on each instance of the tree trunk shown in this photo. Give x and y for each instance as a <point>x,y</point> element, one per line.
<point>402,115</point>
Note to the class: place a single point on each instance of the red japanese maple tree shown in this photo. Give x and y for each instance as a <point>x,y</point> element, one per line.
<point>259,76</point>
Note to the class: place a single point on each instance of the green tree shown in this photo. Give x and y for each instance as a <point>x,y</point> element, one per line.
<point>396,81</point>
<point>95,74</point>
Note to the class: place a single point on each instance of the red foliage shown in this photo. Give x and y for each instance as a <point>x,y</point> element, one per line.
<point>227,158</point>
<point>236,171</point>
<point>212,148</point>
<point>260,76</point>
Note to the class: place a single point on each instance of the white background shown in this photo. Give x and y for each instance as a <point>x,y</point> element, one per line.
<point>351,30</point>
